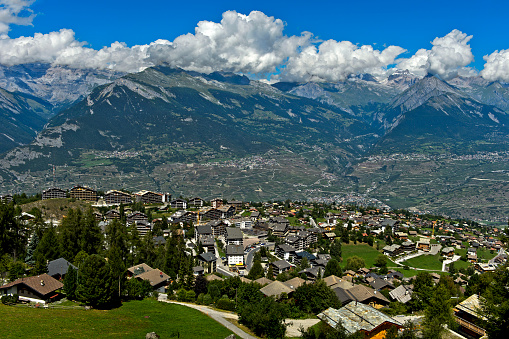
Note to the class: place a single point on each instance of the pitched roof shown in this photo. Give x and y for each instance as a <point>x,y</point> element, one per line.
<point>59,266</point>
<point>207,256</point>
<point>471,305</point>
<point>233,233</point>
<point>43,284</point>
<point>263,281</point>
<point>331,280</point>
<point>281,264</point>
<point>156,276</point>
<point>355,317</point>
<point>379,283</point>
<point>246,280</point>
<point>295,283</point>
<point>139,269</point>
<point>276,288</point>
<point>234,250</point>
<point>402,293</point>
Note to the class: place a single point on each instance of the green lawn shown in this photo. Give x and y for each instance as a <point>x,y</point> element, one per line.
<point>458,264</point>
<point>132,320</point>
<point>364,251</point>
<point>427,262</point>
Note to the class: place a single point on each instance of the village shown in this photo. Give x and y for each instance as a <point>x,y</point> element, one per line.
<point>371,260</point>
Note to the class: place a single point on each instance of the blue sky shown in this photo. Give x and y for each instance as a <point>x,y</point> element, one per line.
<point>408,24</point>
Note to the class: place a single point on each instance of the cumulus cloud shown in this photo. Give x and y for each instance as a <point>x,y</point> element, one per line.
<point>335,60</point>
<point>446,58</point>
<point>496,66</point>
<point>13,12</point>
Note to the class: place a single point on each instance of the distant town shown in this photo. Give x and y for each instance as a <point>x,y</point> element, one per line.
<point>385,264</point>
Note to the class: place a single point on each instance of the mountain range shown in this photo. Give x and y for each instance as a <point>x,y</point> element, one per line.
<point>411,142</point>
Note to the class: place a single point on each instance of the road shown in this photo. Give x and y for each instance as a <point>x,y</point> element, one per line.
<point>250,255</point>
<point>500,252</point>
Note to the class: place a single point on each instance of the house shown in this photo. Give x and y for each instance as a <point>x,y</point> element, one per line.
<point>114,197</point>
<point>312,273</point>
<point>53,193</point>
<point>198,270</point>
<point>361,294</point>
<point>276,289</point>
<point>226,211</point>
<point>379,284</point>
<point>218,227</point>
<point>235,255</point>
<point>216,203</point>
<point>301,255</point>
<point>83,193</point>
<point>200,231</point>
<point>483,268</point>
<point>448,251</point>
<point>359,317</point>
<point>468,314</point>
<point>280,266</point>
<point>112,214</point>
<point>263,281</point>
<point>136,216</point>
<point>208,261</point>
<point>148,197</point>
<point>392,250</point>
<point>236,204</point>
<point>138,269</point>
<point>295,283</point>
<point>58,268</point>
<point>408,246</point>
<point>423,244</point>
<point>285,252</point>
<point>401,235</point>
<point>208,242</point>
<point>157,278</point>
<point>41,288</point>
<point>196,202</point>
<point>179,204</point>
<point>279,229</point>
<point>213,277</point>
<point>402,293</point>
<point>234,236</point>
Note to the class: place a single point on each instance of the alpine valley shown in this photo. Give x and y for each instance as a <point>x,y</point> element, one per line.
<point>410,142</point>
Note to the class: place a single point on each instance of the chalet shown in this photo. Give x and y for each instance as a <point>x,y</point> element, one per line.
<point>244,223</point>
<point>208,261</point>
<point>235,255</point>
<point>208,242</point>
<point>447,251</point>
<point>236,204</point>
<point>300,255</point>
<point>41,288</point>
<point>53,193</point>
<point>401,235</point>
<point>468,315</point>
<point>295,241</point>
<point>285,252</point>
<point>312,273</point>
<point>201,231</point>
<point>6,198</point>
<point>276,289</point>
<point>380,284</point>
<point>198,270</point>
<point>112,214</point>
<point>137,270</point>
<point>280,266</point>
<point>136,216</point>
<point>114,197</point>
<point>423,244</point>
<point>227,211</point>
<point>83,193</point>
<point>392,250</point>
<point>279,229</point>
<point>295,283</point>
<point>218,227</point>
<point>143,227</point>
<point>216,203</point>
<point>234,236</point>
<point>196,202</point>
<point>148,197</point>
<point>157,278</point>
<point>483,268</point>
<point>361,294</point>
<point>402,293</point>
<point>179,204</point>
<point>359,317</point>
<point>408,246</point>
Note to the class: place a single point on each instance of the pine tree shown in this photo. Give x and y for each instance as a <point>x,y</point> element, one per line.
<point>438,314</point>
<point>71,283</point>
<point>30,258</point>
<point>256,271</point>
<point>96,286</point>
<point>270,273</point>
<point>49,247</point>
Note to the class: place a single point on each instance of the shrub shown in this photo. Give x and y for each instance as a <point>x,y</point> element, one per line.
<point>181,295</point>
<point>190,296</point>
<point>225,304</point>
<point>207,299</point>
<point>199,300</point>
<point>10,299</point>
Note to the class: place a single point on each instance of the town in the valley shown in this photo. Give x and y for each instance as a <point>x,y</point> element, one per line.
<point>313,268</point>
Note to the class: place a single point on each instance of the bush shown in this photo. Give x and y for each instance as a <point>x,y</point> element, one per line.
<point>191,296</point>
<point>182,295</point>
<point>225,304</point>
<point>10,299</point>
<point>199,300</point>
<point>207,299</point>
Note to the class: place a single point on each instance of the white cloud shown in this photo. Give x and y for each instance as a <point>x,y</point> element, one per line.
<point>446,58</point>
<point>496,66</point>
<point>335,60</point>
<point>14,12</point>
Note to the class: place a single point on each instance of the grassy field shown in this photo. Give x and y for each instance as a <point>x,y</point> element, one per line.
<point>427,262</point>
<point>133,320</point>
<point>56,207</point>
<point>364,251</point>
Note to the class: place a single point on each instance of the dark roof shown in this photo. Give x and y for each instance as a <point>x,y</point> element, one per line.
<point>304,254</point>
<point>233,233</point>
<point>205,229</point>
<point>139,269</point>
<point>282,264</point>
<point>234,250</point>
<point>379,283</point>
<point>286,248</point>
<point>207,256</point>
<point>160,240</point>
<point>59,267</point>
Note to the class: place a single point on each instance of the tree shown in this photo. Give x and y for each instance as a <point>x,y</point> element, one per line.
<point>30,257</point>
<point>49,247</point>
<point>333,268</point>
<point>314,298</point>
<point>438,314</point>
<point>256,271</point>
<point>71,283</point>
<point>335,250</point>
<point>200,285</point>
<point>423,291</point>
<point>495,305</point>
<point>381,261</point>
<point>91,237</point>
<point>96,285</point>
<point>265,318</point>
<point>16,270</point>
<point>354,263</point>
